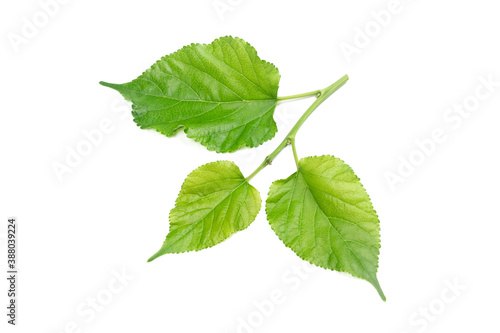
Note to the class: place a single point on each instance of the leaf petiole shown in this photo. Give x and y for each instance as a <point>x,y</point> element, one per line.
<point>307,94</point>
<point>322,95</point>
<point>294,149</point>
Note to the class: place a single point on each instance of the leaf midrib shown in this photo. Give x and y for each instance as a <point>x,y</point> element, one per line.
<point>201,100</point>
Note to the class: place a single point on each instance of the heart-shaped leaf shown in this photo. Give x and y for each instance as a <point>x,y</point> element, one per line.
<point>323,213</point>
<point>222,94</point>
<point>215,201</point>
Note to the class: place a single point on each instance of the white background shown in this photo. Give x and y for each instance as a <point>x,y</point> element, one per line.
<point>439,226</point>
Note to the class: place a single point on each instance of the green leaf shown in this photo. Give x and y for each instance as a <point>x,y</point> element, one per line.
<point>222,94</point>
<point>215,201</point>
<point>323,213</point>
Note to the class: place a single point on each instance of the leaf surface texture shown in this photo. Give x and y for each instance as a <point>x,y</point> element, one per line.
<point>323,213</point>
<point>215,201</point>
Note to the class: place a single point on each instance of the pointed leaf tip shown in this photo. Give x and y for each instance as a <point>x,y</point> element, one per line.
<point>377,286</point>
<point>154,256</point>
<point>109,85</point>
